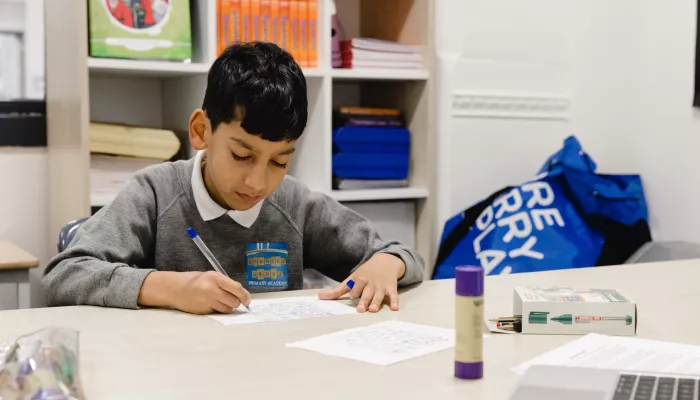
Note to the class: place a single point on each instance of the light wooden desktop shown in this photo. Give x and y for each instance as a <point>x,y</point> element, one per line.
<point>15,264</point>
<point>151,354</point>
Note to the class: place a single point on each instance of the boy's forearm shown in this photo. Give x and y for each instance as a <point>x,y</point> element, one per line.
<point>161,289</point>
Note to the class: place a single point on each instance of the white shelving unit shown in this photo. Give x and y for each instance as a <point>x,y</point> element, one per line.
<point>380,194</point>
<point>163,94</point>
<point>379,74</point>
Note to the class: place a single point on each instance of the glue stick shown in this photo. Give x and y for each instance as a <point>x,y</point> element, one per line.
<point>469,317</point>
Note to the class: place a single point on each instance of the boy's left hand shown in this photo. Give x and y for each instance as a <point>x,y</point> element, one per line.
<point>374,280</point>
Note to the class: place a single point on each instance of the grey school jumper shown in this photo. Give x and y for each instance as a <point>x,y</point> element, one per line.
<point>144,229</point>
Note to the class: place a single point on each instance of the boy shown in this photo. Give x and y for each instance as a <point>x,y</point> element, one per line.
<point>234,193</point>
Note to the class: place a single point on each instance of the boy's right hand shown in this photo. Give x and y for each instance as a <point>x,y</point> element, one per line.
<point>193,292</point>
<point>207,292</point>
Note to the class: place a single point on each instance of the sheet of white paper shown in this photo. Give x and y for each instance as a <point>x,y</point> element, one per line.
<point>622,354</point>
<point>383,343</point>
<point>284,309</point>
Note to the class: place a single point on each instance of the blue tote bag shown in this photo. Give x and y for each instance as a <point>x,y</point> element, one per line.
<point>568,216</point>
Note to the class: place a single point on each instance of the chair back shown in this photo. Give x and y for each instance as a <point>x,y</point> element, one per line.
<point>68,233</point>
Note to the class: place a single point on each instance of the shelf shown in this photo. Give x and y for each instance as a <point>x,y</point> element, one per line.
<point>379,74</point>
<point>340,195</point>
<point>314,73</point>
<point>113,66</point>
<point>11,27</point>
<point>160,69</point>
<point>379,194</point>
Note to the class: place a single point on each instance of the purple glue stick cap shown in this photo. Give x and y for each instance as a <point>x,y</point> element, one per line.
<point>470,281</point>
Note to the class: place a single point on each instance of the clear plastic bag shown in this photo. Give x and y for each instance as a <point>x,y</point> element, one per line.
<point>41,366</point>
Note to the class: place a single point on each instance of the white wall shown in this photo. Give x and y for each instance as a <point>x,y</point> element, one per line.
<point>626,68</point>
<point>24,171</point>
<point>23,207</point>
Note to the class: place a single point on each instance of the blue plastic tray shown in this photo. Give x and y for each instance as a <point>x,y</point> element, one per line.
<point>370,166</point>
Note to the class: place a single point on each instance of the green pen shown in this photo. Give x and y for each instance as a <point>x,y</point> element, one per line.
<point>568,319</point>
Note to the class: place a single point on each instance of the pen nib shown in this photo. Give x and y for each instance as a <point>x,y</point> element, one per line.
<point>247,308</point>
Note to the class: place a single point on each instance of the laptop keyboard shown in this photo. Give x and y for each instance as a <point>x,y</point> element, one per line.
<point>642,387</point>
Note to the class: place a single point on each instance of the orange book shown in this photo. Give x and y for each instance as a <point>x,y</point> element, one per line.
<point>312,33</point>
<point>274,21</point>
<point>226,34</point>
<point>369,111</point>
<point>219,29</point>
<point>284,29</point>
<point>235,21</point>
<point>255,20</point>
<point>245,21</point>
<point>303,33</point>
<point>295,28</point>
<point>265,11</point>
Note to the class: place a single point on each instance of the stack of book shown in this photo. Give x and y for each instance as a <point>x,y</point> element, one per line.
<point>118,152</point>
<point>291,24</point>
<point>374,53</point>
<point>371,149</point>
<point>337,35</point>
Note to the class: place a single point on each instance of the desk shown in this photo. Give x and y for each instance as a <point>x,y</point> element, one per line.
<point>152,354</point>
<point>15,264</point>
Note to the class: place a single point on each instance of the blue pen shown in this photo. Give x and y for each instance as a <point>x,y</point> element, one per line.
<point>207,253</point>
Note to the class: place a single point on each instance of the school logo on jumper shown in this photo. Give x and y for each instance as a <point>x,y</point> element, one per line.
<point>266,265</point>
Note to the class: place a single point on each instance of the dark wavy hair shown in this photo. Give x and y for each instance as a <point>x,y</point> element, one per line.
<point>260,85</point>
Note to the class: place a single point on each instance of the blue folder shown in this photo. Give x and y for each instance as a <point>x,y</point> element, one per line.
<point>370,166</point>
<point>365,140</point>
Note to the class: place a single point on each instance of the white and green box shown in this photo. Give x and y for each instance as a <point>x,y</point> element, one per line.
<point>567,311</point>
<point>140,29</point>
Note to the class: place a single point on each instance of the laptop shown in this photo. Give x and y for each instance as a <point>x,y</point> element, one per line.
<point>573,383</point>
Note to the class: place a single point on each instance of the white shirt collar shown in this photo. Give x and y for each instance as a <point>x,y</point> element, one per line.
<point>208,208</point>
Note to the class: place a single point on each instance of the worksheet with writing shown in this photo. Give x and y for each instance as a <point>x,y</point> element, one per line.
<point>383,343</point>
<point>622,354</point>
<point>284,309</point>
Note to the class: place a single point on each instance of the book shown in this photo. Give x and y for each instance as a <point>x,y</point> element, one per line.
<point>275,21</point>
<point>365,121</point>
<point>369,111</point>
<point>359,184</point>
<point>303,33</point>
<point>284,25</point>
<point>370,55</point>
<point>383,45</point>
<point>236,21</point>
<point>220,42</point>
<point>265,18</point>
<point>294,27</point>
<point>313,34</point>
<point>255,33</point>
<point>133,141</point>
<point>245,21</point>
<point>140,29</point>
<point>227,25</point>
<point>382,64</point>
